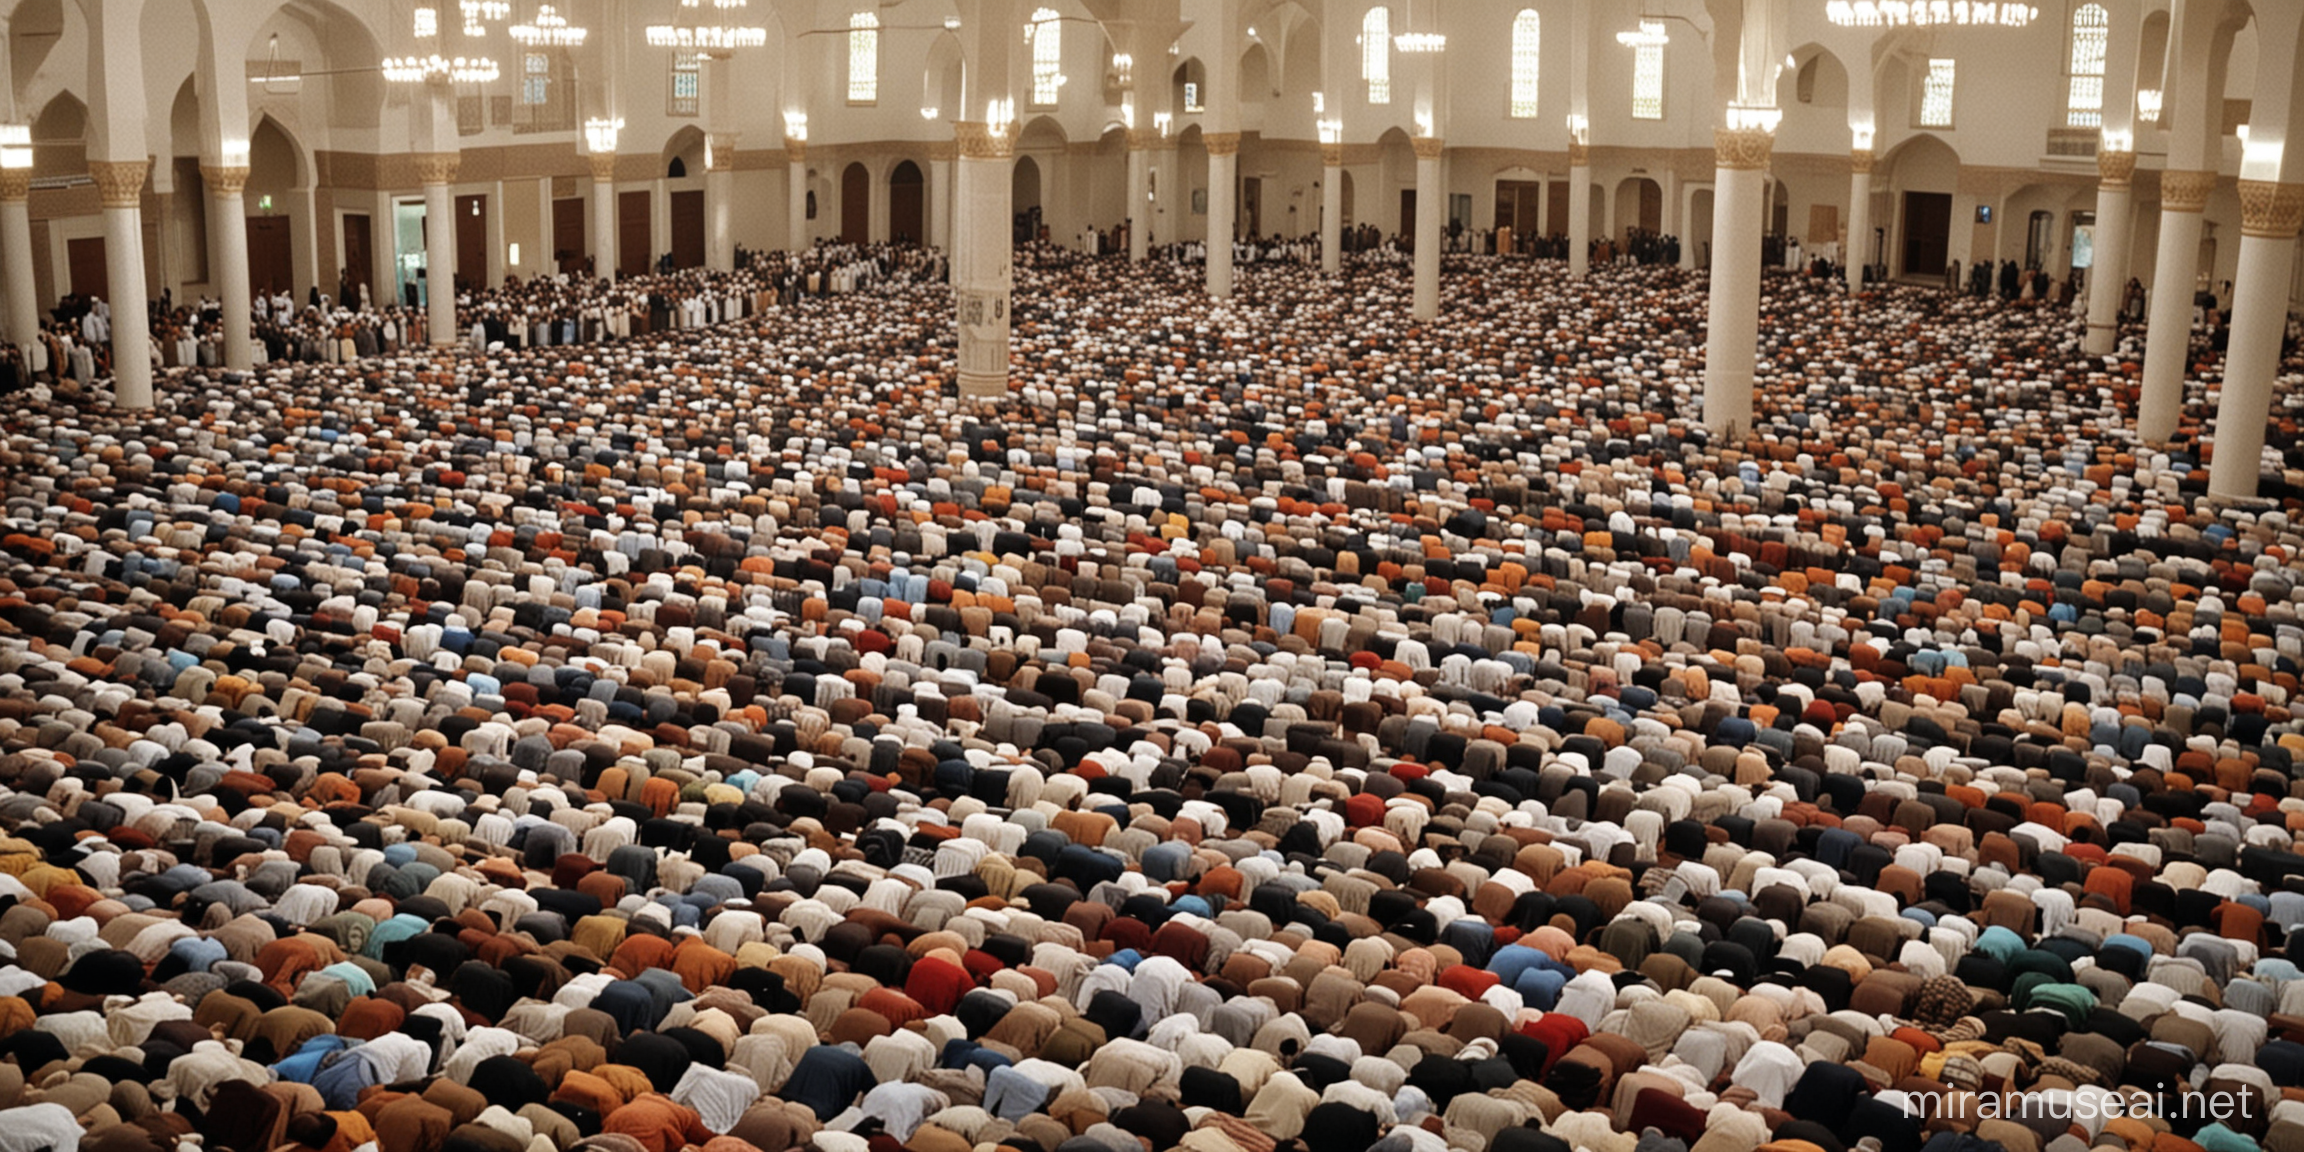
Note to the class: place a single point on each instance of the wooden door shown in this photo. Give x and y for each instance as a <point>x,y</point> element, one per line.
<point>271,258</point>
<point>1927,232</point>
<point>855,205</point>
<point>632,223</point>
<point>90,277</point>
<point>1517,202</point>
<point>1556,209</point>
<point>568,235</point>
<point>359,260</point>
<point>1252,206</point>
<point>1651,206</point>
<point>471,241</point>
<point>907,204</point>
<point>688,229</point>
<point>1408,214</point>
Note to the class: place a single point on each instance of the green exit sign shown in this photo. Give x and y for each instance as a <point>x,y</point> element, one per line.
<point>265,203</point>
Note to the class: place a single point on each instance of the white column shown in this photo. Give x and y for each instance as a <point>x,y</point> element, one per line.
<point>1580,209</point>
<point>1430,195</point>
<point>22,315</point>
<point>2108,272</point>
<point>940,194</point>
<point>1732,326</point>
<point>719,200</point>
<point>437,170</point>
<point>2270,214</point>
<point>603,214</point>
<point>1223,181</point>
<point>1139,207</point>
<point>796,214</point>
<point>2168,340</point>
<point>983,252</point>
<point>121,183</point>
<point>228,256</point>
<point>1331,207</point>
<point>1859,247</point>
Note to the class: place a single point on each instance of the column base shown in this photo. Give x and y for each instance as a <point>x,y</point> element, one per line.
<point>1728,403</point>
<point>979,386</point>
<point>2100,339</point>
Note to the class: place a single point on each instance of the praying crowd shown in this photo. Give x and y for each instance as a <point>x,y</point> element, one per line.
<point>1280,725</point>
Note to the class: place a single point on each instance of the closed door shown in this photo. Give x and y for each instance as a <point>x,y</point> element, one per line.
<point>89,275</point>
<point>568,235</point>
<point>1927,232</point>
<point>855,205</point>
<point>359,264</point>
<point>271,258</point>
<point>1556,209</point>
<point>1651,206</point>
<point>688,229</point>
<point>472,240</point>
<point>1408,213</point>
<point>907,209</point>
<point>632,222</point>
<point>1517,202</point>
<point>1252,205</point>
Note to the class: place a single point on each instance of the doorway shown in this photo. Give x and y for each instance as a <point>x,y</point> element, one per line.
<point>688,229</point>
<point>1556,208</point>
<point>907,204</point>
<point>1252,206</point>
<point>2039,239</point>
<point>568,235</point>
<point>1927,233</point>
<point>90,277</point>
<point>359,252</point>
<point>632,223</point>
<point>1408,215</point>
<point>271,258</point>
<point>471,241</point>
<point>855,205</point>
<point>2083,240</point>
<point>1519,205</point>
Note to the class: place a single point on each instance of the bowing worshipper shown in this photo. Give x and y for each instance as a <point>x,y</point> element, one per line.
<point>1307,736</point>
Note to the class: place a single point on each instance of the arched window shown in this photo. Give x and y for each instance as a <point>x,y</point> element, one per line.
<point>863,58</point>
<point>1376,54</point>
<point>1648,71</point>
<point>1047,56</point>
<point>2091,35</point>
<point>1527,31</point>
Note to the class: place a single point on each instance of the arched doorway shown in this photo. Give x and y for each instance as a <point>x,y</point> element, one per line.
<point>855,205</point>
<point>1024,198</point>
<point>274,174</point>
<point>1639,205</point>
<point>907,212</point>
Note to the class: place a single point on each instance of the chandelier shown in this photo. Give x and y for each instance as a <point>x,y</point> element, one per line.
<point>707,37</point>
<point>1420,42</point>
<point>1928,13</point>
<point>478,12</point>
<point>422,69</point>
<point>549,29</point>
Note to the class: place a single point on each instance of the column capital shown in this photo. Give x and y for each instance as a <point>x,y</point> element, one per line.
<point>437,167</point>
<point>2271,210</point>
<point>796,149</point>
<point>942,149</point>
<point>1579,153</point>
<point>1221,143</point>
<point>225,179</point>
<point>2185,191</point>
<point>2115,169</point>
<point>1742,149</point>
<point>1428,147</point>
<point>977,141</point>
<point>603,165</point>
<point>720,152</point>
<point>1860,160</point>
<point>15,185</point>
<point>1143,139</point>
<point>120,182</point>
<point>1332,155</point>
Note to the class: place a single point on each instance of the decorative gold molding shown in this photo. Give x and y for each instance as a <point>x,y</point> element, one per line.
<point>225,179</point>
<point>942,149</point>
<point>603,165</point>
<point>1143,139</point>
<point>1428,147</point>
<point>436,167</point>
<point>796,149</point>
<point>15,185</point>
<point>2116,169</point>
<point>720,152</point>
<point>1742,149</point>
<point>1332,155</point>
<point>1221,143</point>
<point>120,182</point>
<point>2183,191</point>
<point>977,141</point>
<point>1860,160</point>
<point>1579,154</point>
<point>2271,210</point>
